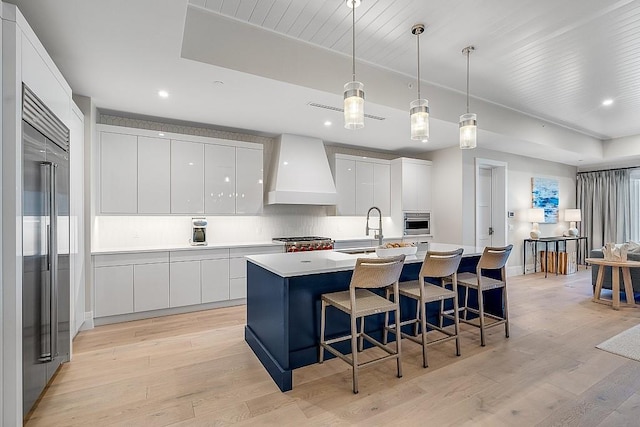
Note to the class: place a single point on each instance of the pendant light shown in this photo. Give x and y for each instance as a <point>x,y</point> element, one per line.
<point>468,123</point>
<point>419,109</point>
<point>354,90</point>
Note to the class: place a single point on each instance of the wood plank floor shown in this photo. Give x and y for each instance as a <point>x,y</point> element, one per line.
<point>196,370</point>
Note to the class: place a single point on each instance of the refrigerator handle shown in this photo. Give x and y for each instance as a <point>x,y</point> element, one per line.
<point>45,300</point>
<point>53,254</point>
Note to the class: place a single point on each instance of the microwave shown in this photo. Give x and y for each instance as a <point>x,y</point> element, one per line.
<point>417,223</point>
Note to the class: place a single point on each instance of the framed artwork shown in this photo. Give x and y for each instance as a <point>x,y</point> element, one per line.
<point>545,195</point>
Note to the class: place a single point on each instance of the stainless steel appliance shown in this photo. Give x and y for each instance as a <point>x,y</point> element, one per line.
<point>417,223</point>
<point>305,243</point>
<point>45,246</point>
<point>198,232</point>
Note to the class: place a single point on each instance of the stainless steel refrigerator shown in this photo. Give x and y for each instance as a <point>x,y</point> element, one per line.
<point>45,246</point>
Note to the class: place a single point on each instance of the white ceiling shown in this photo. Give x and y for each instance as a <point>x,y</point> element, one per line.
<point>554,60</point>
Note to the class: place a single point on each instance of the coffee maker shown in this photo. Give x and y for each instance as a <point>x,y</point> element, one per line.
<point>198,232</point>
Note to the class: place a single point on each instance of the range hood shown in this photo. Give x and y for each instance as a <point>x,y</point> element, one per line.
<point>300,173</point>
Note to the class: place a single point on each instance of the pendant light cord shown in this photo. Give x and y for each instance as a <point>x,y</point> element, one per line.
<point>468,52</point>
<point>418,37</point>
<point>353,36</point>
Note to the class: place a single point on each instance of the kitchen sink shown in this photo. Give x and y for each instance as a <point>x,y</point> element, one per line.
<point>357,251</point>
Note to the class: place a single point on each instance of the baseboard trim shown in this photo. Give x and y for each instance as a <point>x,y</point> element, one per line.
<point>166,312</point>
<point>88,321</point>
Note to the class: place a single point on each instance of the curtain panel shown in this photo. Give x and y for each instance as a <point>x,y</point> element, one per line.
<point>604,197</point>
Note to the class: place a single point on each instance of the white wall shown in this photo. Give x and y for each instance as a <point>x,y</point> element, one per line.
<point>77,219</point>
<point>447,186</point>
<point>88,108</point>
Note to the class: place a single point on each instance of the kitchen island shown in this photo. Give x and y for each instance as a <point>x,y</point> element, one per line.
<point>283,303</point>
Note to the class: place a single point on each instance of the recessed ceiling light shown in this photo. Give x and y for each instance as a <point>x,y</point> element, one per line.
<point>607,102</point>
<point>163,94</point>
<point>327,123</point>
<point>161,134</point>
<point>218,82</point>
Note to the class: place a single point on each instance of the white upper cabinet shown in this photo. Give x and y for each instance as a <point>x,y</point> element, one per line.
<point>411,184</point>
<point>191,175</point>
<point>382,186</point>
<point>364,187</point>
<point>249,193</point>
<point>154,175</point>
<point>362,183</point>
<point>346,186</point>
<point>219,179</point>
<point>187,177</point>
<point>118,173</point>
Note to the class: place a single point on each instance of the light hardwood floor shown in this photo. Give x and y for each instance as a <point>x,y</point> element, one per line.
<point>195,369</point>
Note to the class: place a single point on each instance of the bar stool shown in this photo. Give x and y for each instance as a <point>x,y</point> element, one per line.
<point>359,302</point>
<point>493,258</point>
<point>436,265</point>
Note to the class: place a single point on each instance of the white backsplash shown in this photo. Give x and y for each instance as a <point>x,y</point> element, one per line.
<point>137,231</point>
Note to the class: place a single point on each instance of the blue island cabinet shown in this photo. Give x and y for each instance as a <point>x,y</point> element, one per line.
<point>283,315</point>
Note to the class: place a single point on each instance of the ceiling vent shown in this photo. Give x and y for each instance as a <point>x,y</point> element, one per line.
<point>328,107</point>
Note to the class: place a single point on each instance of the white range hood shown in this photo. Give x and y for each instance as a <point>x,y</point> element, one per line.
<point>300,173</point>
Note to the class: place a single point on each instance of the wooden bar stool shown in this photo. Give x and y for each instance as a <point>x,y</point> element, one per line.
<point>493,258</point>
<point>436,265</point>
<point>359,302</point>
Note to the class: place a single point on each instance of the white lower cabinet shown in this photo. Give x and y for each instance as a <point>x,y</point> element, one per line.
<point>215,279</point>
<point>238,288</point>
<point>151,287</point>
<point>184,283</point>
<point>127,283</point>
<point>113,290</point>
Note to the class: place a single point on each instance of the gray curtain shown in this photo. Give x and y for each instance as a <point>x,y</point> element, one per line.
<point>603,197</point>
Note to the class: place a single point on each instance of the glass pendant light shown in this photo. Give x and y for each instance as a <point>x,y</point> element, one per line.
<point>354,90</point>
<point>419,109</point>
<point>468,123</point>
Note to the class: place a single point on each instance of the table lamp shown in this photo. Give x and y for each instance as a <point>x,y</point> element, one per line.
<point>536,215</point>
<point>573,216</point>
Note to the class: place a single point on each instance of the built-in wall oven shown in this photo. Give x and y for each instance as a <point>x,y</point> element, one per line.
<point>416,223</point>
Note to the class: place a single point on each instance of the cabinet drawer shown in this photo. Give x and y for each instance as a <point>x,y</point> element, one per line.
<point>130,258</point>
<point>199,254</point>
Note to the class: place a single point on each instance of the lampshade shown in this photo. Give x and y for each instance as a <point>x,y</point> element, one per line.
<point>420,119</point>
<point>354,105</point>
<point>572,215</point>
<point>536,215</point>
<point>468,129</point>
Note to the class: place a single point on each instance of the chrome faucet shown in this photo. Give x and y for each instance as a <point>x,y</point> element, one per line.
<point>378,234</point>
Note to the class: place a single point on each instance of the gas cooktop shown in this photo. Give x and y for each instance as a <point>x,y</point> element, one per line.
<point>301,239</point>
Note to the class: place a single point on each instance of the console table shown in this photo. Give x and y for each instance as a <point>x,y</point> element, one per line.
<point>616,266</point>
<point>554,242</point>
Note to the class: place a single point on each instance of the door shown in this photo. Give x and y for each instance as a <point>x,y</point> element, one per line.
<point>491,203</point>
<point>484,207</point>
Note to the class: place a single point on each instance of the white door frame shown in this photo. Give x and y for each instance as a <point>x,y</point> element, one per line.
<point>499,201</point>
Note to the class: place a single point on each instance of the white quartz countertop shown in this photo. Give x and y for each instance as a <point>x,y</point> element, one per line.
<point>185,247</point>
<point>305,263</point>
